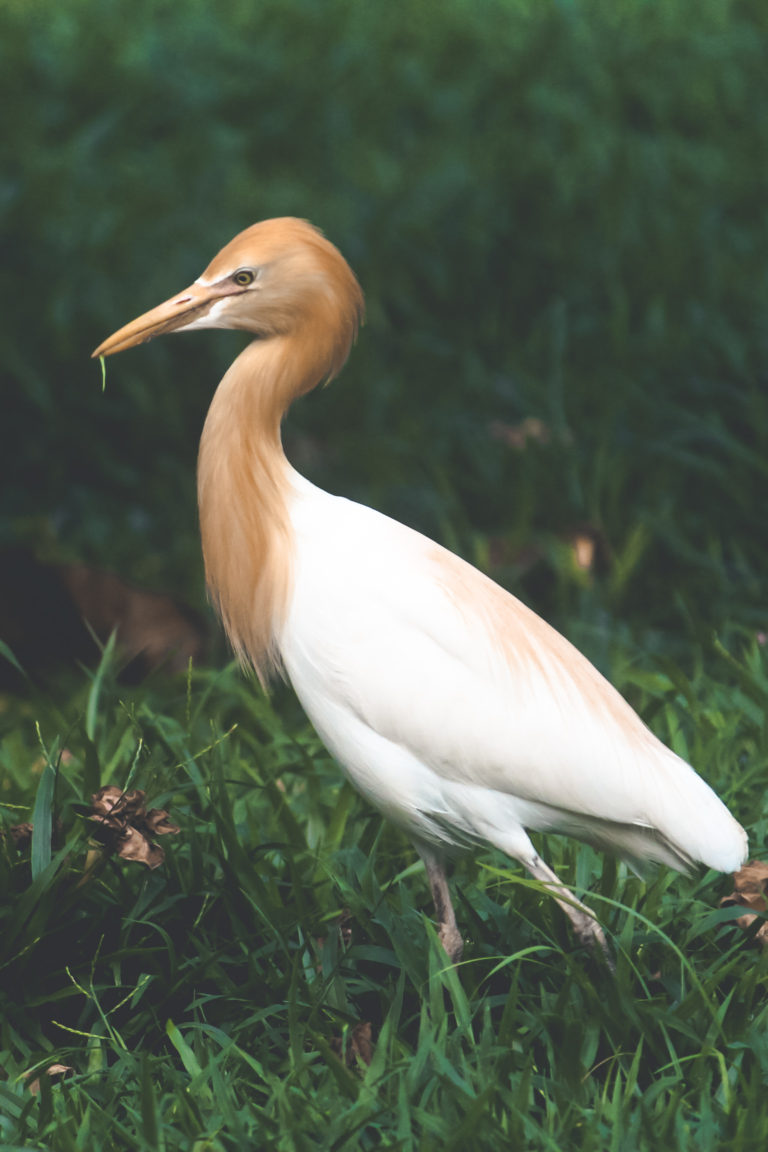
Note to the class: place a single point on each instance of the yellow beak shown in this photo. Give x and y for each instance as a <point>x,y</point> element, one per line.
<point>192,306</point>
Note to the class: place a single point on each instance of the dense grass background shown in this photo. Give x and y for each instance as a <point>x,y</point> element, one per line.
<point>557,210</point>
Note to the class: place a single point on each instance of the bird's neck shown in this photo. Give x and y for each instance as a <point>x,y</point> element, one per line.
<point>244,491</point>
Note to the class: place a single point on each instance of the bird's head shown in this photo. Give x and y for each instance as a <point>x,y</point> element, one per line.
<point>277,278</point>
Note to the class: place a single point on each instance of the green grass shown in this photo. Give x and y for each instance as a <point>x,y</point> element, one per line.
<point>556,210</point>
<point>203,1005</point>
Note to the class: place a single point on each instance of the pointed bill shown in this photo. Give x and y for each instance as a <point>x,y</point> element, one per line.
<point>184,311</point>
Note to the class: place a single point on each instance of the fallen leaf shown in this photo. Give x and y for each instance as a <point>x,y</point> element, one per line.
<point>50,614</point>
<point>517,436</point>
<point>158,823</point>
<point>124,825</point>
<point>585,543</point>
<point>750,891</point>
<point>55,1071</point>
<point>112,804</point>
<point>583,547</point>
<point>359,1045</point>
<point>132,845</point>
<point>21,834</point>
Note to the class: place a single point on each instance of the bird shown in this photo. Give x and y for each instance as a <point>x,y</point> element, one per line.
<point>450,705</point>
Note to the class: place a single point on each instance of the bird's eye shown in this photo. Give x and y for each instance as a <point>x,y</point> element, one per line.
<point>244,277</point>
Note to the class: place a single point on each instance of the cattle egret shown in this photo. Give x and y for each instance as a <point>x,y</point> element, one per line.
<point>450,705</point>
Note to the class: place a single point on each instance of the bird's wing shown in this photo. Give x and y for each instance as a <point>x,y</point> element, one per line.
<point>433,656</point>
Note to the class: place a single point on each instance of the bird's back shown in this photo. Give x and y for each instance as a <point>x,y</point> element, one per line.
<point>461,713</point>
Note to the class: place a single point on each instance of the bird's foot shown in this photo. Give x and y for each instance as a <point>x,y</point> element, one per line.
<point>583,921</point>
<point>588,932</point>
<point>452,941</point>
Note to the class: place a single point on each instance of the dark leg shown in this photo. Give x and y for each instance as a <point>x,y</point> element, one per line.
<point>449,934</point>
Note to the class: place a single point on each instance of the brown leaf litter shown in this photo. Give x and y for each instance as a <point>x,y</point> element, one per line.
<point>750,891</point>
<point>359,1045</point>
<point>124,825</point>
<point>56,1072</point>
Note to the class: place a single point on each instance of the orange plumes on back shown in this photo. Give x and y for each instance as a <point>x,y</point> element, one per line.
<point>305,310</point>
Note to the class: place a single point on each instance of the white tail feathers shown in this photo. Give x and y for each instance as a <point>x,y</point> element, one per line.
<point>691,821</point>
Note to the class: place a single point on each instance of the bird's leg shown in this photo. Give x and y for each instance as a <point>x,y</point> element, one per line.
<point>585,925</point>
<point>449,934</point>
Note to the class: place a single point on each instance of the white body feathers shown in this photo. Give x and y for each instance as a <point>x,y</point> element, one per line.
<point>461,714</point>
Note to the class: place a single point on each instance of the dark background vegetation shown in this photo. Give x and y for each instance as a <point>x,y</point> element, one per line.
<point>556,210</point>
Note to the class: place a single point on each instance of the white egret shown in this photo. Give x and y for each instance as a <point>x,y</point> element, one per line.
<point>451,706</point>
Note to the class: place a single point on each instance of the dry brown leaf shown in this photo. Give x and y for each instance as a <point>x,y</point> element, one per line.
<point>150,626</point>
<point>517,436</point>
<point>750,891</point>
<point>158,823</point>
<point>359,1045</point>
<point>55,1071</point>
<point>50,614</point>
<point>133,846</point>
<point>112,804</point>
<point>21,834</point>
<point>586,543</point>
<point>127,828</point>
<point>583,547</point>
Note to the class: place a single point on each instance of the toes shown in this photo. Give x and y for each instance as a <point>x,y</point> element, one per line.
<point>589,933</point>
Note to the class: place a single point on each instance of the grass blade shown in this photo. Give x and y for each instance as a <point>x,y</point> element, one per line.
<point>42,821</point>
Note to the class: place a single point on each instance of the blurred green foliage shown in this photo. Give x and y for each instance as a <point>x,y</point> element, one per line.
<point>556,210</point>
